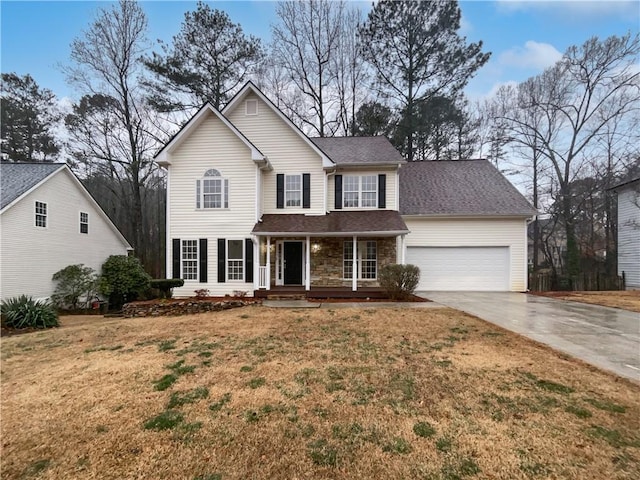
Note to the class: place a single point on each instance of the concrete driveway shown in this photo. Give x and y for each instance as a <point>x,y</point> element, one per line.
<point>608,338</point>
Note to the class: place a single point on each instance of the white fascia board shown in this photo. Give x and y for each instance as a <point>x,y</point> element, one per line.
<point>249,86</point>
<point>37,185</point>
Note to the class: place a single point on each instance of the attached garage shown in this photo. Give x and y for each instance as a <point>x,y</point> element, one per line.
<point>462,268</point>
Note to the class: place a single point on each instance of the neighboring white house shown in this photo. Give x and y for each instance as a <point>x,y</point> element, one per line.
<point>254,204</point>
<point>629,232</point>
<point>48,221</point>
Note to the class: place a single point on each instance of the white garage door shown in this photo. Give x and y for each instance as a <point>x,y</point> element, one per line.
<point>461,268</point>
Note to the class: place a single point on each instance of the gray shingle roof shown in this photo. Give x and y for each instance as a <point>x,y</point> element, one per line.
<point>368,221</point>
<point>359,150</point>
<point>462,187</point>
<point>18,178</point>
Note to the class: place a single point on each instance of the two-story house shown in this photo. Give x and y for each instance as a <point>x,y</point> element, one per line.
<point>254,204</point>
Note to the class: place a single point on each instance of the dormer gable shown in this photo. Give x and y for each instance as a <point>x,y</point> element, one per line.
<point>245,99</point>
<point>163,156</point>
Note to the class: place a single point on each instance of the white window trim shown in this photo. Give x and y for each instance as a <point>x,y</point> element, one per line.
<point>362,247</point>
<point>227,260</point>
<point>286,190</point>
<point>182,259</point>
<point>360,191</point>
<point>224,192</point>
<point>246,106</point>
<point>84,223</point>
<point>36,214</point>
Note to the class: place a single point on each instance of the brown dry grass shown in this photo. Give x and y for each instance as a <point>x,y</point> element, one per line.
<point>342,392</point>
<point>626,300</point>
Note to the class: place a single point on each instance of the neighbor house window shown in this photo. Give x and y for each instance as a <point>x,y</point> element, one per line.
<point>190,259</point>
<point>360,191</point>
<point>84,222</point>
<point>293,190</point>
<point>41,214</point>
<point>235,259</point>
<point>367,261</point>
<point>212,191</point>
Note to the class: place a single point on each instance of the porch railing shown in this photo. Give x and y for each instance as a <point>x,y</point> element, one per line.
<point>262,277</point>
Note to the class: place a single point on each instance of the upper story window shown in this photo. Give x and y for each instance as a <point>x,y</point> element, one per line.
<point>41,215</point>
<point>212,191</point>
<point>360,191</point>
<point>251,107</point>
<point>293,190</point>
<point>84,222</point>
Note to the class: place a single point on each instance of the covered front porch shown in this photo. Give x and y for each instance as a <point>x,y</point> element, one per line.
<point>321,292</point>
<point>340,250</point>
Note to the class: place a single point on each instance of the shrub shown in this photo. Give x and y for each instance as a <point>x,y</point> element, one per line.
<point>123,279</point>
<point>25,312</point>
<point>74,282</point>
<point>165,285</point>
<point>201,293</point>
<point>399,281</point>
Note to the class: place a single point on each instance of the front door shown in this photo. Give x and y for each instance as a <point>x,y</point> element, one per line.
<point>292,263</point>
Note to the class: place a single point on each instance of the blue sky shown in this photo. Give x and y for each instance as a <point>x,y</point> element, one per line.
<point>523,36</point>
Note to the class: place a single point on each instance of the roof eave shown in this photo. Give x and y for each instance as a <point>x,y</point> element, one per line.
<point>383,233</point>
<point>34,187</point>
<point>469,215</point>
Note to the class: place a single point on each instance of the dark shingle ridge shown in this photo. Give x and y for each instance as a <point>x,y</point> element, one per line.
<point>18,178</point>
<point>459,187</point>
<point>373,150</point>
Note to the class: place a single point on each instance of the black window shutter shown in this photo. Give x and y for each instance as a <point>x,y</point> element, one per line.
<point>280,190</point>
<point>203,260</point>
<point>306,190</point>
<point>222,260</point>
<point>248,260</point>
<point>338,179</point>
<point>176,257</point>
<point>382,191</point>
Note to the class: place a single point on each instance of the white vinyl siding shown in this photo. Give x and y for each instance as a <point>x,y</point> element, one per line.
<point>287,152</point>
<point>372,202</point>
<point>475,232</point>
<point>629,236</point>
<point>212,145</point>
<point>30,256</point>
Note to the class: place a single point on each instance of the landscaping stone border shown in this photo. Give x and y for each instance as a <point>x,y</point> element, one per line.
<point>181,307</point>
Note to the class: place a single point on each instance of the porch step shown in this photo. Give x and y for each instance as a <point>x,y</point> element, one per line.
<point>286,296</point>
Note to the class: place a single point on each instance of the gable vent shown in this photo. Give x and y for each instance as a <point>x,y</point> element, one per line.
<point>251,107</point>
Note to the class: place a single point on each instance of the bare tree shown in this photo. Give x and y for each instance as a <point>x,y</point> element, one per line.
<point>572,103</point>
<point>109,128</point>
<point>305,42</point>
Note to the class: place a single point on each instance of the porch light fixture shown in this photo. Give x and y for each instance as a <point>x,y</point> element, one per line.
<point>315,247</point>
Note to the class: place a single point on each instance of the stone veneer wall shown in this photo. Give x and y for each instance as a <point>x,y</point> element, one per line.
<point>326,262</point>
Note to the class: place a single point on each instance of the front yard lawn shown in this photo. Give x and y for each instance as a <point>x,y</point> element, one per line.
<point>281,394</point>
<point>625,299</point>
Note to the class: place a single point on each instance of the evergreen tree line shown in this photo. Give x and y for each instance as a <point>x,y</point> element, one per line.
<point>400,71</point>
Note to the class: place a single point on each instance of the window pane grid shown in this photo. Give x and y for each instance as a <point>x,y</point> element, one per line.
<point>235,259</point>
<point>360,191</point>
<point>41,214</point>
<point>366,264</point>
<point>84,222</point>
<point>212,192</point>
<point>190,259</point>
<point>293,190</point>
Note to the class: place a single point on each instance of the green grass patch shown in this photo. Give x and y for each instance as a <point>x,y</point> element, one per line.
<point>102,348</point>
<point>398,446</point>
<point>246,368</point>
<point>178,399</point>
<point>165,382</point>
<point>578,411</point>
<point>554,387</point>
<point>166,345</point>
<point>307,376</point>
<point>165,421</point>
<point>217,406</point>
<point>606,405</point>
<point>424,429</point>
<point>179,368</point>
<point>612,437</point>
<point>444,444</point>
<point>460,467</point>
<point>323,453</point>
<point>256,382</point>
<point>209,476</point>
<point>36,468</point>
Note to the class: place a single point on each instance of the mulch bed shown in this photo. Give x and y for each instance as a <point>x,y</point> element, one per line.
<point>412,298</point>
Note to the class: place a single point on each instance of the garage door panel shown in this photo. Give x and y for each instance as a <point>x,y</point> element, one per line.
<point>461,268</point>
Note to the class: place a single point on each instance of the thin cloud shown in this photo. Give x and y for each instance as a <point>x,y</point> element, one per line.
<point>533,55</point>
<point>575,8</point>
